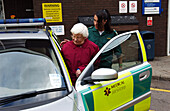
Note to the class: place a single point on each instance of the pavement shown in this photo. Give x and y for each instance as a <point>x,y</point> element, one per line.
<point>161,68</point>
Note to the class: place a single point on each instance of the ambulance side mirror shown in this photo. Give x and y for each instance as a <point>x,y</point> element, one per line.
<point>102,74</point>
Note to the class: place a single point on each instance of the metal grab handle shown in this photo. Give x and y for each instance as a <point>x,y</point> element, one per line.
<point>144,75</point>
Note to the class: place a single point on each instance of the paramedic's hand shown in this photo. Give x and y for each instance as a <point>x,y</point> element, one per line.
<point>63,42</point>
<point>78,72</point>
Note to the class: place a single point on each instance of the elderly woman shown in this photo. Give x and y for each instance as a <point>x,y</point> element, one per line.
<point>78,52</point>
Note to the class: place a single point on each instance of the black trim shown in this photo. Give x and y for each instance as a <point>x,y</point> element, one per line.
<point>31,105</point>
<point>115,20</point>
<point>87,80</point>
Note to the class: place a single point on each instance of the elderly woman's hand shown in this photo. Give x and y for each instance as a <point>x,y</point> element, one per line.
<point>63,42</point>
<point>78,72</point>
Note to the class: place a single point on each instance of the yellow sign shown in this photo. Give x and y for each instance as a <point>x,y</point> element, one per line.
<point>52,12</point>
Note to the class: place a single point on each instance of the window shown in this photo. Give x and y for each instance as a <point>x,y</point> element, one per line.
<point>130,54</point>
<point>122,53</point>
<point>28,65</point>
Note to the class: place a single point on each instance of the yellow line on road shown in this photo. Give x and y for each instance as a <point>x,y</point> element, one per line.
<point>163,90</point>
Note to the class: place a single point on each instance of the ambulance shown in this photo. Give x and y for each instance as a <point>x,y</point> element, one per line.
<point>34,76</point>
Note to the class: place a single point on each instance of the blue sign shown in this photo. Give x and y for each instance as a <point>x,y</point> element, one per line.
<point>151,7</point>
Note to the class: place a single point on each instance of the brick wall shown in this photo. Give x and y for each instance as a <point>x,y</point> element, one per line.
<point>74,8</point>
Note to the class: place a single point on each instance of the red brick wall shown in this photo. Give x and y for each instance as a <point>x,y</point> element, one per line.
<point>74,8</point>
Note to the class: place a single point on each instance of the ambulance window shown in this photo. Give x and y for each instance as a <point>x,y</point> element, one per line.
<point>124,55</point>
<point>129,54</point>
<point>32,66</point>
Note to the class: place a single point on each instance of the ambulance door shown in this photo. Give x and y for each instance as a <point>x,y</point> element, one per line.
<point>122,85</point>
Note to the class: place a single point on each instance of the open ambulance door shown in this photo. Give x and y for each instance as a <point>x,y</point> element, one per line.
<point>123,85</point>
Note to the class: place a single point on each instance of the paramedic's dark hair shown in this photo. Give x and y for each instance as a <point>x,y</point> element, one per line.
<point>104,15</point>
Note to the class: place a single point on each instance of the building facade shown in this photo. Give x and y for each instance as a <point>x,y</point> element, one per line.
<point>72,9</point>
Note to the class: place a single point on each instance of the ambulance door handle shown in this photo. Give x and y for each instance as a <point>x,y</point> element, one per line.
<point>144,75</point>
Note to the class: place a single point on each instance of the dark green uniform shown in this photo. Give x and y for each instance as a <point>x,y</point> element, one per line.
<point>101,40</point>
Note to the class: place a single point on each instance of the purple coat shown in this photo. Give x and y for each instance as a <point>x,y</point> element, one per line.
<point>78,56</point>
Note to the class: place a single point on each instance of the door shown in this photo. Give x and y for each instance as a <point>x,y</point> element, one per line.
<point>122,78</point>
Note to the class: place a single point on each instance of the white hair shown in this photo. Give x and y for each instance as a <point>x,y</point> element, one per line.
<point>80,28</point>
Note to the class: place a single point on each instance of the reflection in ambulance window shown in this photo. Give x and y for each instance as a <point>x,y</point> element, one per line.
<point>125,55</point>
<point>131,54</point>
